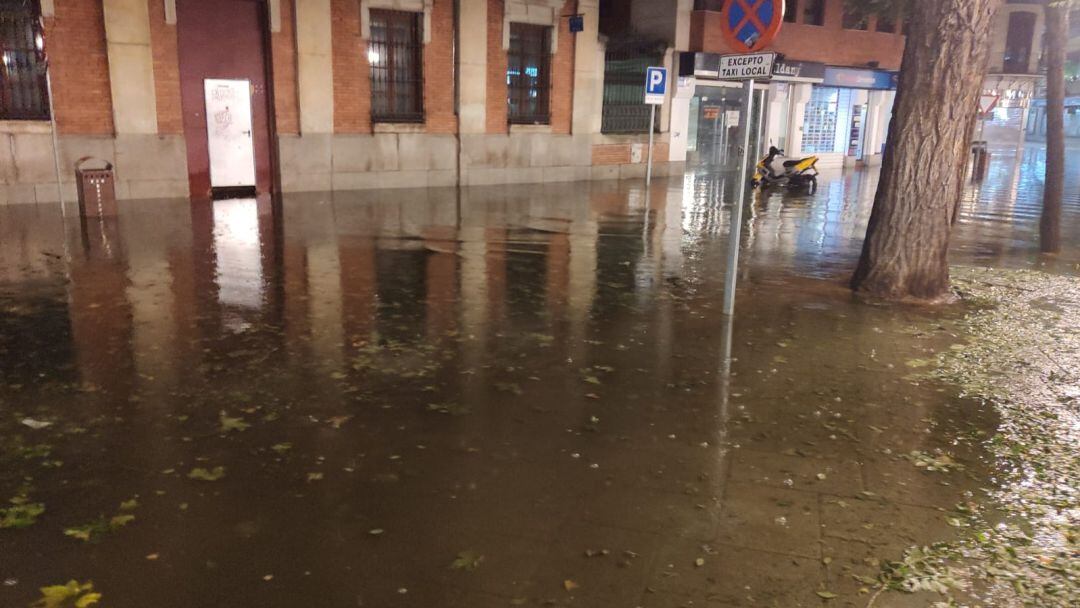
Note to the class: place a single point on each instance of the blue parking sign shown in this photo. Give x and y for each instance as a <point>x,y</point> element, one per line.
<point>655,85</point>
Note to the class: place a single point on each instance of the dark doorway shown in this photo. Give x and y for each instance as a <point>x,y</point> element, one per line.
<point>224,39</point>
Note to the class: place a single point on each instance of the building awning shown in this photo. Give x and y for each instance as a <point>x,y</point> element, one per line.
<point>706,66</point>
<point>861,78</point>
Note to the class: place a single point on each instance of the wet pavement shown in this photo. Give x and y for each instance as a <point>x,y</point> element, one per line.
<point>507,396</point>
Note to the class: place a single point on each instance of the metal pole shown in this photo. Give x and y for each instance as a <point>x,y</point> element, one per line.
<point>652,124</point>
<point>55,137</point>
<point>737,209</point>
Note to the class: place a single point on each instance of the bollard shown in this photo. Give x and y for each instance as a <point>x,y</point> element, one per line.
<point>980,162</point>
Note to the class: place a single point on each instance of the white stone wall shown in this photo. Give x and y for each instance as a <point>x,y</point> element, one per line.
<point>146,166</point>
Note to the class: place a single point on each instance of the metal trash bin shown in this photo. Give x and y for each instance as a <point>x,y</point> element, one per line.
<point>96,187</point>
<point>981,160</point>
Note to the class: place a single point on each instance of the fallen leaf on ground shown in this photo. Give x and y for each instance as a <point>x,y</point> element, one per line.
<point>467,560</point>
<point>202,474</point>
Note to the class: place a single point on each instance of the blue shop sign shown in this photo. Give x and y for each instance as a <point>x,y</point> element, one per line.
<point>855,78</point>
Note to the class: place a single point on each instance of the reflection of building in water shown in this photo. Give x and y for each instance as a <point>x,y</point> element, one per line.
<point>238,256</point>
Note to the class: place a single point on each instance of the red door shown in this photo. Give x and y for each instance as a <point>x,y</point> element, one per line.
<point>223,39</point>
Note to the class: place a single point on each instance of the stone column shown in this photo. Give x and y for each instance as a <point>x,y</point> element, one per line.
<point>800,96</point>
<point>315,72</point>
<point>472,61</point>
<point>588,72</point>
<point>131,65</point>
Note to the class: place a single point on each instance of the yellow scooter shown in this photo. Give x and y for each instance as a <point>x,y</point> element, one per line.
<point>798,173</point>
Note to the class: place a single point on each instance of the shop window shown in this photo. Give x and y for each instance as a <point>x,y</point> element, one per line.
<point>821,120</point>
<point>528,74</point>
<point>855,19</point>
<point>814,12</point>
<point>1018,41</point>
<point>791,10</point>
<point>396,55</point>
<point>624,88</point>
<point>24,93</point>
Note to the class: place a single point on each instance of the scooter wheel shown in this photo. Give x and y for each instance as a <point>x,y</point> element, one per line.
<point>813,185</point>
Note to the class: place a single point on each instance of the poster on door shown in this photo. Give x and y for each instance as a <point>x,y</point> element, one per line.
<point>229,138</point>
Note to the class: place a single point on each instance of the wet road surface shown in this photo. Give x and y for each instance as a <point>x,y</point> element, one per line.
<point>512,396</point>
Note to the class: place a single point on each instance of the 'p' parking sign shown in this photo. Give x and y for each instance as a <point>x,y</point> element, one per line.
<point>655,85</point>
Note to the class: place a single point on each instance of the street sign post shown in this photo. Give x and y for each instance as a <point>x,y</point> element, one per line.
<point>655,92</point>
<point>748,27</point>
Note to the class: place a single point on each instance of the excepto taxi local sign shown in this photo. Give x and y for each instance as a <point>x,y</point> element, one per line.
<point>758,66</point>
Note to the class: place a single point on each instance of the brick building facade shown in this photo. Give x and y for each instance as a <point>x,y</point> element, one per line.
<point>119,67</point>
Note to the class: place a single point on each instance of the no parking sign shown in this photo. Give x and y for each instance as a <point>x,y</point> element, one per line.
<point>751,25</point>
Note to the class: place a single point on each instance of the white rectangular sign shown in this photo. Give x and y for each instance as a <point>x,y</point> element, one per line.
<point>758,66</point>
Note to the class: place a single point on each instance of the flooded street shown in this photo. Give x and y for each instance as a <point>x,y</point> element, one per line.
<point>511,396</point>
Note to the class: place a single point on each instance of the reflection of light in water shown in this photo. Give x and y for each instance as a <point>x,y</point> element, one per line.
<point>239,255</point>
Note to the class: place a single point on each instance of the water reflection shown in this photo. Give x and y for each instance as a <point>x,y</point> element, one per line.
<point>238,254</point>
<point>530,373</point>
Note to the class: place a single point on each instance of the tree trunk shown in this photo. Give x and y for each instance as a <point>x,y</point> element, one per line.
<point>905,254</point>
<point>1057,38</point>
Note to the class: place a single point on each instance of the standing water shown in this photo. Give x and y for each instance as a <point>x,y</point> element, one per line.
<point>507,396</point>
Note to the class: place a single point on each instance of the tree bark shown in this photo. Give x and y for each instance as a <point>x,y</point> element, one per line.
<point>905,254</point>
<point>1057,38</point>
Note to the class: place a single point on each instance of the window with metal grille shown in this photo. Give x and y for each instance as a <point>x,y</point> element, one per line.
<point>396,55</point>
<point>528,74</point>
<point>624,89</point>
<point>23,90</point>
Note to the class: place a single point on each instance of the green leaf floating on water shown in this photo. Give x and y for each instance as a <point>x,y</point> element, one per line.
<point>829,595</point>
<point>71,595</point>
<point>232,424</point>
<point>202,474</point>
<point>92,532</point>
<point>467,560</point>
<point>21,514</point>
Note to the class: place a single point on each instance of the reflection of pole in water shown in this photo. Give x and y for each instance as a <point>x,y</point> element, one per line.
<point>723,381</point>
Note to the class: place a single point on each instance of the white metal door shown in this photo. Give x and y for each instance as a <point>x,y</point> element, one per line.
<point>228,133</point>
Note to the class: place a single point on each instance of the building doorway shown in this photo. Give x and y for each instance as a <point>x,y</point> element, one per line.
<point>225,96</point>
<point>717,118</point>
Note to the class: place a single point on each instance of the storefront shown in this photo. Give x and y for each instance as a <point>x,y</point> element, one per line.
<point>840,114</point>
<point>717,116</point>
<point>846,116</point>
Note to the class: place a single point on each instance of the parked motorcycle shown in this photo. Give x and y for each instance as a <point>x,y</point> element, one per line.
<point>797,173</point>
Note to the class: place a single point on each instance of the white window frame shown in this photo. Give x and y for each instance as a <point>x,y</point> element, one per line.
<point>532,12</point>
<point>412,6</point>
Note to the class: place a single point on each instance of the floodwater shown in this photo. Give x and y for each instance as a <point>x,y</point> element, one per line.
<point>511,396</point>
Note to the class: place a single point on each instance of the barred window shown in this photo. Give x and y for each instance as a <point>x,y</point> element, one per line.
<point>528,74</point>
<point>624,88</point>
<point>396,56</point>
<point>23,89</point>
